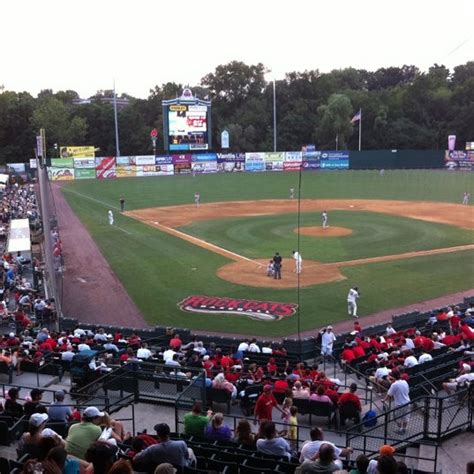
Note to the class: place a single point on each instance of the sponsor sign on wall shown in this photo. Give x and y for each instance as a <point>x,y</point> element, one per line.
<point>62,163</point>
<point>163,160</point>
<point>84,173</point>
<point>226,157</point>
<point>182,159</point>
<point>334,160</point>
<point>254,162</point>
<point>230,166</point>
<point>459,160</point>
<point>105,167</point>
<point>61,174</point>
<point>261,310</point>
<point>84,162</point>
<point>126,171</point>
<point>204,167</point>
<point>142,160</point>
<point>122,160</point>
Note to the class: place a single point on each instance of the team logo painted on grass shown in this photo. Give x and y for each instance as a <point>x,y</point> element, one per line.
<point>262,310</point>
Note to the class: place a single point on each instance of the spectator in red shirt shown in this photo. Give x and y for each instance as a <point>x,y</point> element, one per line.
<point>467,331</point>
<point>347,354</point>
<point>451,340</point>
<point>227,362</point>
<point>358,351</point>
<point>280,386</point>
<point>349,398</point>
<point>176,342</point>
<point>455,323</point>
<point>272,367</point>
<point>441,316</point>
<point>264,406</point>
<point>134,340</point>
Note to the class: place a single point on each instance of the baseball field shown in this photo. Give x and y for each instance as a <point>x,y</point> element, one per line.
<point>402,238</point>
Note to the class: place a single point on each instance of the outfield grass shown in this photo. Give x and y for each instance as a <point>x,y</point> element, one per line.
<point>373,235</point>
<point>159,270</point>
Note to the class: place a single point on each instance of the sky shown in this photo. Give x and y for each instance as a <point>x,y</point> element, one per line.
<point>83,45</point>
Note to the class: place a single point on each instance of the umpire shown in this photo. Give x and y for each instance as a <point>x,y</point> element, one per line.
<point>122,203</point>
<point>277,266</point>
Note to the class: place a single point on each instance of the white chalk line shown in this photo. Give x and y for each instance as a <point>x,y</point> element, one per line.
<point>203,243</point>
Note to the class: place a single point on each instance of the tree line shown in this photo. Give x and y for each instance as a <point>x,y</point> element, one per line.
<point>402,108</point>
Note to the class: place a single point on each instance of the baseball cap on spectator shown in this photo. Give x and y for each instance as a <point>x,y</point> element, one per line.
<point>92,412</point>
<point>12,334</point>
<point>466,367</point>
<point>267,387</point>
<point>162,429</point>
<point>329,327</point>
<point>205,358</point>
<point>387,450</point>
<point>37,419</point>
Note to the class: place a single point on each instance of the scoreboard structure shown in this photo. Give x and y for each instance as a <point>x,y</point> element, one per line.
<point>187,123</point>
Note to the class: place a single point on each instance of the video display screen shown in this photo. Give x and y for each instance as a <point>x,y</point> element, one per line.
<point>187,127</point>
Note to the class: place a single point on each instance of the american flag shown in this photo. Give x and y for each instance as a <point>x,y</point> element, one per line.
<point>357,116</point>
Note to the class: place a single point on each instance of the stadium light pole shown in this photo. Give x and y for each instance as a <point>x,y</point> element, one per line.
<point>117,145</point>
<point>298,275</point>
<point>274,117</point>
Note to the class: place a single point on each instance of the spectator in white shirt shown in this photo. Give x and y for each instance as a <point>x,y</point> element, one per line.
<point>253,347</point>
<point>83,347</point>
<point>409,343</point>
<point>389,331</point>
<point>465,377</point>
<point>144,352</point>
<point>425,357</point>
<point>168,354</point>
<point>100,336</point>
<point>244,346</point>
<point>410,361</point>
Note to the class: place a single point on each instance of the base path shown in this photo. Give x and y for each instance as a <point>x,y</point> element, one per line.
<point>252,272</point>
<point>91,291</point>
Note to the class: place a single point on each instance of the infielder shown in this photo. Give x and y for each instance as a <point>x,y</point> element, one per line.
<point>292,193</point>
<point>352,297</point>
<point>110,215</point>
<point>197,199</point>
<point>325,219</point>
<point>298,261</point>
<point>466,197</point>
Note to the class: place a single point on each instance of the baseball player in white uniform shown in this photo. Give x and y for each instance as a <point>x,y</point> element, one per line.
<point>298,261</point>
<point>325,219</point>
<point>110,215</point>
<point>352,297</point>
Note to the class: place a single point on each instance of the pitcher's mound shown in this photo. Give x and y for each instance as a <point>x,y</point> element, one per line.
<point>327,232</point>
<point>255,274</point>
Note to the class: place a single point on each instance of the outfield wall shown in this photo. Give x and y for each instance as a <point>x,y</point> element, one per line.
<point>202,163</point>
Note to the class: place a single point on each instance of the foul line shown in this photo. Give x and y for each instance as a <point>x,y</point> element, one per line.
<point>202,243</point>
<point>92,199</point>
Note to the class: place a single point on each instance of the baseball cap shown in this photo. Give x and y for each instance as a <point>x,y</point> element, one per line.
<point>329,327</point>
<point>267,387</point>
<point>386,450</point>
<point>37,419</point>
<point>12,334</point>
<point>466,367</point>
<point>92,412</point>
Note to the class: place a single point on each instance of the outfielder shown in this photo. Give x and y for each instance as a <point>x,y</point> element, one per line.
<point>298,261</point>
<point>110,215</point>
<point>352,297</point>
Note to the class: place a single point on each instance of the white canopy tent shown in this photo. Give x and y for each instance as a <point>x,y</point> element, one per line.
<point>19,236</point>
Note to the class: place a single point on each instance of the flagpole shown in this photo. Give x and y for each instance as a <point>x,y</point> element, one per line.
<point>117,146</point>
<point>360,129</point>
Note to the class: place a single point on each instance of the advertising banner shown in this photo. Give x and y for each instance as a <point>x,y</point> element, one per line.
<point>76,151</point>
<point>126,171</point>
<point>182,168</point>
<point>165,170</point>
<point>182,159</point>
<point>293,156</point>
<point>230,166</point>
<point>226,157</point>
<point>142,160</point>
<point>17,167</point>
<point>105,167</point>
<point>335,160</point>
<point>84,163</point>
<point>84,173</point>
<point>459,160</point>
<point>254,162</point>
<point>61,174</point>
<point>204,157</point>
<point>451,142</point>
<point>33,163</point>
<point>225,139</point>
<point>291,165</point>
<point>163,160</point>
<point>311,159</point>
<point>122,160</point>
<point>204,167</point>
<point>62,163</point>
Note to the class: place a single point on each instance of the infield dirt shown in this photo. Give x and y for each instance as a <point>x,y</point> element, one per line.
<point>245,271</point>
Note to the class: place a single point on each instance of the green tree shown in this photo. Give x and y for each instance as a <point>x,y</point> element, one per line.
<point>334,121</point>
